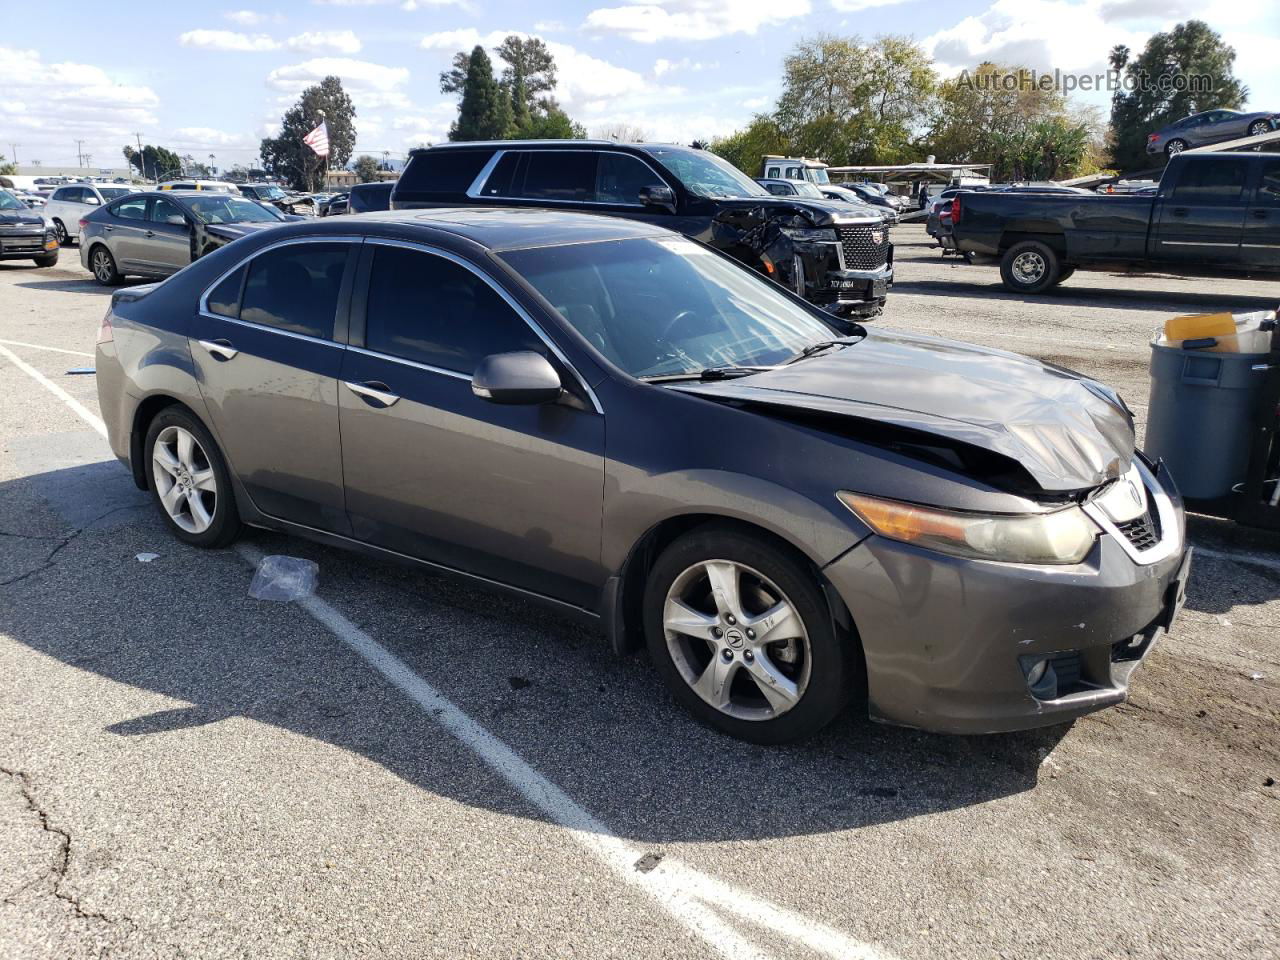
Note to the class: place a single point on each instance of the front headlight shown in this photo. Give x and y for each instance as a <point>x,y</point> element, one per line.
<point>1063,536</point>
<point>810,234</point>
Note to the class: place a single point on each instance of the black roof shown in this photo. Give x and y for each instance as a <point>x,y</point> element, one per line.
<point>495,228</point>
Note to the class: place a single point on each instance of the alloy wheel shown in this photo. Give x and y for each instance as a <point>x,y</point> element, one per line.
<point>60,231</point>
<point>737,640</point>
<point>1029,267</point>
<point>1175,147</point>
<point>1259,128</point>
<point>103,268</point>
<point>184,478</point>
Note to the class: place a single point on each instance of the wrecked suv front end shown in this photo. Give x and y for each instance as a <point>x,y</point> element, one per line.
<point>844,265</point>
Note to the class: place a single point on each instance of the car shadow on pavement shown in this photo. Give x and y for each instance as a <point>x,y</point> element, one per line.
<point>601,728</point>
<point>85,285</point>
<point>1158,300</point>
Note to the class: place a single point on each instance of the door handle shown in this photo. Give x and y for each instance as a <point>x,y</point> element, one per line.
<point>221,349</point>
<point>107,227</point>
<point>1259,214</point>
<point>373,390</point>
<point>149,233</point>
<point>1180,211</point>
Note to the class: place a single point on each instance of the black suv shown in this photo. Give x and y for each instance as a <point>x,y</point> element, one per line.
<point>834,256</point>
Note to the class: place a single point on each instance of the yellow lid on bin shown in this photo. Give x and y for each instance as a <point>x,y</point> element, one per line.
<point>1197,325</point>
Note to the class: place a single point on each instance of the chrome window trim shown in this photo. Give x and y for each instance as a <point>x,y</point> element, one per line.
<point>474,190</point>
<point>270,329</point>
<point>510,301</point>
<point>204,297</point>
<point>1170,539</point>
<point>409,363</point>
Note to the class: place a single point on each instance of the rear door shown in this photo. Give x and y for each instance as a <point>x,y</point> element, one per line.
<point>268,343</point>
<point>168,236</point>
<point>1261,246</point>
<point>125,226</point>
<point>1202,216</point>
<point>511,493</point>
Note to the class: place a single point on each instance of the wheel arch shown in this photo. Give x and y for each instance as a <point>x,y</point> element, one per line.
<point>1050,234</point>
<point>146,411</point>
<point>624,594</point>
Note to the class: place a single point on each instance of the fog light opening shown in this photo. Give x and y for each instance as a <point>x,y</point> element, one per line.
<point>1042,679</point>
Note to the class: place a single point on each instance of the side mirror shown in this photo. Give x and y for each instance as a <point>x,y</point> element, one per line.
<point>522,377</point>
<point>91,200</point>
<point>659,196</point>
<point>176,219</point>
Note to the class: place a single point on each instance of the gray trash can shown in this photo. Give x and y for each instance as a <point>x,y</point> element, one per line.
<point>1200,416</point>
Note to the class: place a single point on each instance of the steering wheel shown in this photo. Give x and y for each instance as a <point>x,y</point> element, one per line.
<point>682,315</point>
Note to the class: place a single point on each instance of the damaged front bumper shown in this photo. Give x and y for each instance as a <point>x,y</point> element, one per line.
<point>818,274</point>
<point>956,646</point>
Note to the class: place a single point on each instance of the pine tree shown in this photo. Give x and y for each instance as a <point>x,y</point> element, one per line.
<point>480,116</point>
<point>520,114</point>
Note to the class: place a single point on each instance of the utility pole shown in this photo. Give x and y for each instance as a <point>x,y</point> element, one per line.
<point>79,154</point>
<point>13,148</point>
<point>142,164</point>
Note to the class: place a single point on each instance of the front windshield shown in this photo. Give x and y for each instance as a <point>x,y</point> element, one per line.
<point>224,208</point>
<point>9,202</point>
<point>806,189</point>
<point>113,193</point>
<point>657,306</point>
<point>706,175</point>
<point>817,175</point>
<point>270,193</point>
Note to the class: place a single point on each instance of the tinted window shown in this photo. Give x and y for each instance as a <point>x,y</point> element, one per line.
<point>620,178</point>
<point>370,196</point>
<point>164,210</point>
<point>1269,184</point>
<point>224,299</point>
<point>777,189</point>
<point>442,173</point>
<point>428,309</point>
<point>295,288</point>
<point>113,193</point>
<point>559,175</point>
<point>1213,180</point>
<point>135,208</point>
<point>500,182</point>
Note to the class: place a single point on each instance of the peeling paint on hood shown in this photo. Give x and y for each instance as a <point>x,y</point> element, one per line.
<point>1070,433</point>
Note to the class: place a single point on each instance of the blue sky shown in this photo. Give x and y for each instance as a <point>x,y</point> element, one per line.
<point>214,78</point>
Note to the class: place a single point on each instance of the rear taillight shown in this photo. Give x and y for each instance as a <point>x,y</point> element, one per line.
<point>1152,137</point>
<point>955,210</point>
<point>104,329</point>
<point>83,224</point>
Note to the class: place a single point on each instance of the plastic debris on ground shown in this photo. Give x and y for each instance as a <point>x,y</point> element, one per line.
<point>282,579</point>
<point>81,371</point>
<point>146,557</point>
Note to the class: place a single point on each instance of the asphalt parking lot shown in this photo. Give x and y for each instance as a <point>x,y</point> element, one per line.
<point>407,767</point>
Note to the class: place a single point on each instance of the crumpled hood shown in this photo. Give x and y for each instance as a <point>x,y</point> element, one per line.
<point>821,212</point>
<point>1069,433</point>
<point>234,231</point>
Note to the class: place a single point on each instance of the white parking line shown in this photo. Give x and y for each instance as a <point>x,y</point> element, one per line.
<point>40,346</point>
<point>682,891</point>
<point>1270,563</point>
<point>83,412</point>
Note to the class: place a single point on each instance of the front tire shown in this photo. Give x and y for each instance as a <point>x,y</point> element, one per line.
<point>60,231</point>
<point>189,480</point>
<point>47,261</point>
<point>1258,128</point>
<point>103,265</point>
<point>1030,267</point>
<point>741,633</point>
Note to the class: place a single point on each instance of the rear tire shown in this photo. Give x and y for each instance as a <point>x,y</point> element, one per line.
<point>103,265</point>
<point>48,261</point>
<point>762,590</point>
<point>1030,266</point>
<point>189,480</point>
<point>1174,147</point>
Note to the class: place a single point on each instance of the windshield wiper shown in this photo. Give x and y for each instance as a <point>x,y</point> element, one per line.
<point>705,374</point>
<point>821,345</point>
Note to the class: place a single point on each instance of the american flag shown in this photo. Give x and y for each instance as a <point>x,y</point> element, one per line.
<point>318,140</point>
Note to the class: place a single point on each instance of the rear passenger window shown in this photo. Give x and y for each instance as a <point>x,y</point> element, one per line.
<point>620,178</point>
<point>500,182</point>
<point>135,208</point>
<point>428,309</point>
<point>224,299</point>
<point>295,288</point>
<point>1212,181</point>
<point>559,175</point>
<point>442,173</point>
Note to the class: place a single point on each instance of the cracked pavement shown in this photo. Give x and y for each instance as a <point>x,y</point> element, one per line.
<point>187,772</point>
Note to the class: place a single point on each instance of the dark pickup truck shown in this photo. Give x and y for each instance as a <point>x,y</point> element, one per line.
<point>1213,214</point>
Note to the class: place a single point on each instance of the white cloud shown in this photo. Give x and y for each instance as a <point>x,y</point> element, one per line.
<point>211,138</point>
<point>756,103</point>
<point>371,86</point>
<point>656,20</point>
<point>228,40</point>
<point>321,41</point>
<point>853,6</point>
<point>245,18</point>
<point>45,105</point>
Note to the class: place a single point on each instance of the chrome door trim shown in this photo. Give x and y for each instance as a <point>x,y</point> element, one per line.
<point>409,363</point>
<point>222,350</point>
<point>1196,243</point>
<point>510,301</point>
<point>269,329</point>
<point>204,297</point>
<point>486,171</point>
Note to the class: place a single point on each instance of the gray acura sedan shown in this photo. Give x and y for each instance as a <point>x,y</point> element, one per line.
<point>789,511</point>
